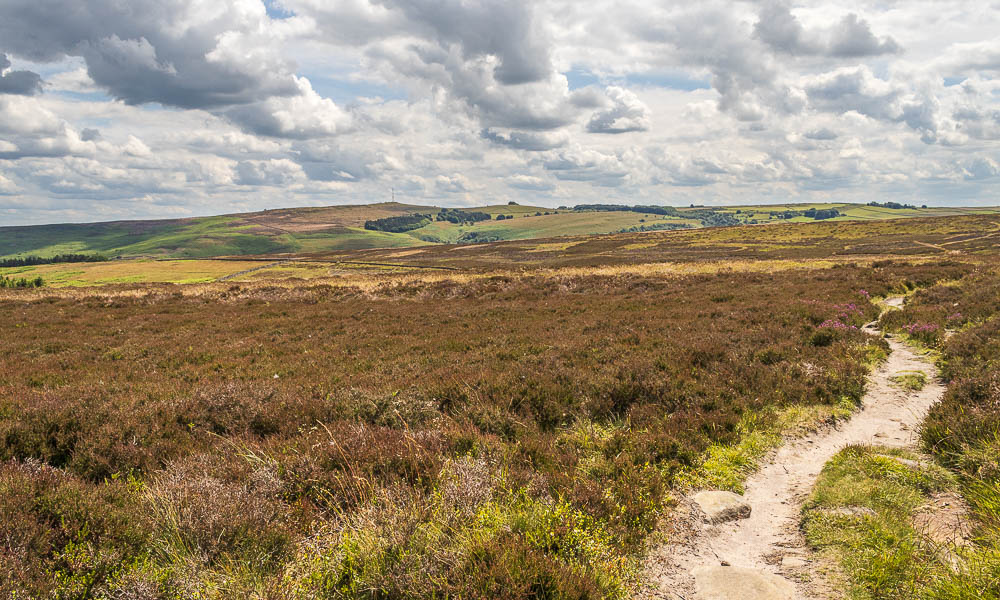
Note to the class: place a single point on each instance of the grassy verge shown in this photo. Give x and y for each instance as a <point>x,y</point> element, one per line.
<point>861,515</point>
<point>726,466</point>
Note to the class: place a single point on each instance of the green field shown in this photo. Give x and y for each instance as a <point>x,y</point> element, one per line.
<point>341,228</point>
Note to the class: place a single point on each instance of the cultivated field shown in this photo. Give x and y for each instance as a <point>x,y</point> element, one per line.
<point>508,420</point>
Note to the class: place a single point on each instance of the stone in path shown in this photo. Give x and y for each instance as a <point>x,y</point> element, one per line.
<point>735,583</point>
<point>720,506</point>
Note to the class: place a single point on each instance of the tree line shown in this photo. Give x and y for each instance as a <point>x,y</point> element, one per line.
<point>27,261</point>
<point>893,205</point>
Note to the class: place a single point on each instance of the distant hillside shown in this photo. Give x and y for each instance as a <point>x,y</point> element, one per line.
<point>333,228</point>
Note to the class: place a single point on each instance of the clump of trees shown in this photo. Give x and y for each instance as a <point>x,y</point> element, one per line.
<point>461,217</point>
<point>479,237</point>
<point>504,217</point>
<point>21,282</point>
<point>822,213</point>
<point>818,214</point>
<point>894,205</point>
<point>399,224</point>
<point>27,261</point>
<point>711,218</point>
<point>409,222</point>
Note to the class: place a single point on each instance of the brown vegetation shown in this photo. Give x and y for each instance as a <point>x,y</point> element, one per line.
<point>499,436</point>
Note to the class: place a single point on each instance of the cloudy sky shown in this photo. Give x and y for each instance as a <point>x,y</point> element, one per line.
<point>164,108</point>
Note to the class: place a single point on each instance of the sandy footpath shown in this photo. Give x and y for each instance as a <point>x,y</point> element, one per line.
<point>764,555</point>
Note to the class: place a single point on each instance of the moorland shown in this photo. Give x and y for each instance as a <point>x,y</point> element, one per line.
<point>511,419</point>
<point>397,225</point>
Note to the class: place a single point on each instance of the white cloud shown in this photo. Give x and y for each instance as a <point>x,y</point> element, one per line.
<point>627,113</point>
<point>195,107</point>
<point>7,186</point>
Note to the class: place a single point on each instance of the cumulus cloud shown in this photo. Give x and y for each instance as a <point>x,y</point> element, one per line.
<point>301,116</point>
<point>190,54</point>
<point>180,106</point>
<point>268,172</point>
<point>970,57</point>
<point>29,129</point>
<point>505,30</point>
<point>525,140</point>
<point>627,113</point>
<point>25,83</point>
<point>981,168</point>
<point>453,184</point>
<point>854,88</point>
<point>530,182</point>
<point>857,89</point>
<point>504,34</point>
<point>822,134</point>
<point>7,187</point>
<point>185,53</point>
<point>578,164</point>
<point>852,37</point>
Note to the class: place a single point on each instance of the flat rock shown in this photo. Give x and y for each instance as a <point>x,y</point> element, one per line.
<point>735,583</point>
<point>720,506</point>
<point>913,464</point>
<point>849,511</point>
<point>793,561</point>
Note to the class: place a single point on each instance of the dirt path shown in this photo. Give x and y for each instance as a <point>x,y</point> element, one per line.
<point>764,555</point>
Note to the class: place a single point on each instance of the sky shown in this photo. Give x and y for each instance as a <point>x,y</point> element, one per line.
<point>172,108</point>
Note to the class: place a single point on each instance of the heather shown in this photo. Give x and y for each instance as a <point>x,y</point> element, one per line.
<point>502,436</point>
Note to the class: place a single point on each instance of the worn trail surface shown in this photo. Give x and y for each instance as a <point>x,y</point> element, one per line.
<point>764,555</point>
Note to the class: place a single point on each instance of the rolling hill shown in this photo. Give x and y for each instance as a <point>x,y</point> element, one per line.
<point>338,228</point>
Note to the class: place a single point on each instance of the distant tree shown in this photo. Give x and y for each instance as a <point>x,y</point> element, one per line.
<point>820,214</point>
<point>512,203</point>
<point>893,205</point>
<point>398,224</point>
<point>458,216</point>
<point>26,261</point>
<point>10,282</point>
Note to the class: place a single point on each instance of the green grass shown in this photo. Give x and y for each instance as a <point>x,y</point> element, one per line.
<point>861,516</point>
<point>192,238</point>
<point>726,466</point>
<point>910,380</point>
